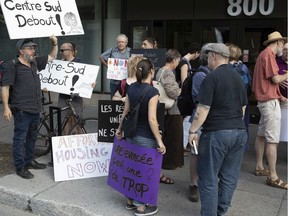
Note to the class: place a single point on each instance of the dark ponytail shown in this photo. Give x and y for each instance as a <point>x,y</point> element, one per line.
<point>143,69</point>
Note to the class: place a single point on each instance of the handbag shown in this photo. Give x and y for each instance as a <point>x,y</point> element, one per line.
<point>163,97</point>
<point>130,120</point>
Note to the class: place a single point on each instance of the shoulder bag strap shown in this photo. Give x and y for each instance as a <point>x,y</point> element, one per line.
<point>140,99</point>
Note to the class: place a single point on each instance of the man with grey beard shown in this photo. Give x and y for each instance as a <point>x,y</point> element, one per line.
<point>22,74</point>
<point>266,81</point>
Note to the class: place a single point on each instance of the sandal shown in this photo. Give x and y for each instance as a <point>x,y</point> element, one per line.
<point>277,183</point>
<point>263,172</point>
<point>166,180</point>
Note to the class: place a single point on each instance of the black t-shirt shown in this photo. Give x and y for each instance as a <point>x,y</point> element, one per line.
<point>182,62</point>
<point>224,92</point>
<point>26,94</point>
<point>134,92</point>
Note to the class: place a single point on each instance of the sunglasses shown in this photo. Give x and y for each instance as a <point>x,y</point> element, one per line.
<point>62,50</point>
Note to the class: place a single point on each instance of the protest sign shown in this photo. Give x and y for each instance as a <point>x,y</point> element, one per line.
<point>34,18</point>
<point>109,116</point>
<point>69,77</point>
<point>117,69</point>
<point>135,171</point>
<point>157,56</point>
<point>80,156</point>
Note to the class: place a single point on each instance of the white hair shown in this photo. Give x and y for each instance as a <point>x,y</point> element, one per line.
<point>122,36</point>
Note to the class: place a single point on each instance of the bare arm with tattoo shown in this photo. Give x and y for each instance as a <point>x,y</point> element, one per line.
<point>200,116</point>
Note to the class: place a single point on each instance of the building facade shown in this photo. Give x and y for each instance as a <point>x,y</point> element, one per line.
<point>174,24</point>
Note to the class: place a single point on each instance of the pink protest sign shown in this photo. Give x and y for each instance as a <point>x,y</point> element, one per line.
<point>135,171</point>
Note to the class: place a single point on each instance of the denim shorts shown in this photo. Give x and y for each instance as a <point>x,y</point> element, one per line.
<point>143,141</point>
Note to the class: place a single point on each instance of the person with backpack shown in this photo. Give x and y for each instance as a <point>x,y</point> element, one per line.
<point>242,69</point>
<point>22,74</point>
<point>196,79</point>
<point>122,51</point>
<point>183,74</point>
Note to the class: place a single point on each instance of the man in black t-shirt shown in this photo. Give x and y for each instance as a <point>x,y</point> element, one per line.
<point>22,75</point>
<point>221,104</point>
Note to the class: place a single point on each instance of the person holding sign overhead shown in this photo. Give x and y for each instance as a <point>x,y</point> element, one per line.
<point>119,52</point>
<point>147,133</point>
<point>22,74</point>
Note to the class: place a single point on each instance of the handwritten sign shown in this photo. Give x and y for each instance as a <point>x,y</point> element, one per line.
<point>69,77</point>
<point>135,171</point>
<point>34,18</point>
<point>117,69</point>
<point>109,116</point>
<point>157,56</point>
<point>80,156</point>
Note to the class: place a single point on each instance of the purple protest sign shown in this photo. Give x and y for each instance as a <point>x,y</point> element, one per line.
<point>135,171</point>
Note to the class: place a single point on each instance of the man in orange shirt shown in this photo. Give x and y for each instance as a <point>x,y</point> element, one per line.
<point>265,85</point>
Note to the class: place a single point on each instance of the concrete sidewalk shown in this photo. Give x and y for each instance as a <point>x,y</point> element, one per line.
<point>93,197</point>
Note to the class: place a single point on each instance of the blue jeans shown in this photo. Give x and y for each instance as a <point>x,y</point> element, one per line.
<point>219,164</point>
<point>25,134</point>
<point>113,87</point>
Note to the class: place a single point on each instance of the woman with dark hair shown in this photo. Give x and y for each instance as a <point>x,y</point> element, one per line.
<point>147,134</point>
<point>184,67</point>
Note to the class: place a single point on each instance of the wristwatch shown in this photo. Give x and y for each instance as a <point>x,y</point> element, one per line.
<point>191,132</point>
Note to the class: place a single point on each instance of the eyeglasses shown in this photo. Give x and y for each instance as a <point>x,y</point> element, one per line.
<point>62,50</point>
<point>30,48</point>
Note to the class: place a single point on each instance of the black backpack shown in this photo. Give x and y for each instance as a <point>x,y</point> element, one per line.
<point>2,65</point>
<point>185,102</point>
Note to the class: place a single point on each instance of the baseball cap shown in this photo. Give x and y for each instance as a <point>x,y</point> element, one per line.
<point>24,43</point>
<point>218,48</point>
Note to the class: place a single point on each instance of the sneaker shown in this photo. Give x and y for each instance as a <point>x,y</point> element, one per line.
<point>35,165</point>
<point>130,206</point>
<point>193,193</point>
<point>149,210</point>
<point>25,173</point>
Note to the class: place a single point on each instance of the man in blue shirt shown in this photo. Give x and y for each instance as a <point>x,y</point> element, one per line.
<point>119,52</point>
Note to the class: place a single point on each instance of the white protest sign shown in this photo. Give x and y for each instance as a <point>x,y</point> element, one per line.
<point>80,156</point>
<point>117,69</point>
<point>38,18</point>
<point>69,77</point>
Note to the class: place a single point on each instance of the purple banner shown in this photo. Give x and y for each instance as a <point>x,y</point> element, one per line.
<point>135,171</point>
